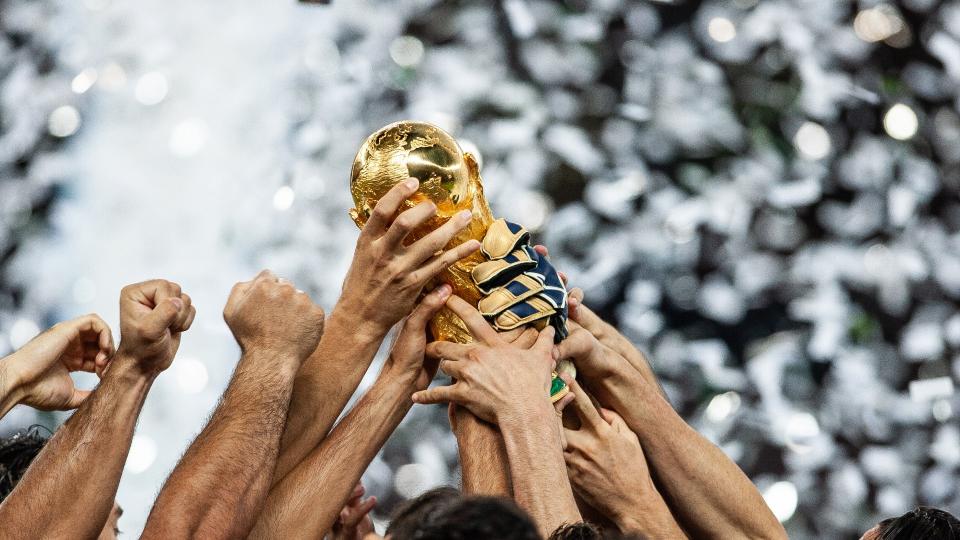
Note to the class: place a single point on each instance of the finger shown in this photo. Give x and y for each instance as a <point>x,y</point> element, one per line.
<point>563,277</point>
<point>427,308</point>
<point>355,495</point>
<point>575,440</point>
<point>564,401</point>
<point>178,323</point>
<point>357,513</point>
<point>439,264</point>
<point>448,350</point>
<point>427,246</point>
<point>544,343</point>
<point>162,316</point>
<point>407,222</point>
<point>453,368</point>
<point>105,342</point>
<point>439,394</point>
<point>527,338</point>
<point>77,398</point>
<point>584,408</point>
<point>579,344</point>
<point>475,322</point>
<point>574,301</point>
<point>189,322</point>
<point>542,249</point>
<point>237,294</point>
<point>387,207</point>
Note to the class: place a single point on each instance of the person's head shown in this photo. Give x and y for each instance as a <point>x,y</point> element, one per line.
<point>921,524</point>
<point>588,531</point>
<point>18,452</point>
<point>443,514</point>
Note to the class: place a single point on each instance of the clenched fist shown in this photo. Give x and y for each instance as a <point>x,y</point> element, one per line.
<point>153,314</point>
<point>270,314</point>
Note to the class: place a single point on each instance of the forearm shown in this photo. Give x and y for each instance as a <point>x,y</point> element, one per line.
<point>325,383</point>
<point>306,503</point>
<point>707,490</point>
<point>83,461</point>
<point>218,488</point>
<point>540,483</point>
<point>646,512</point>
<point>483,457</point>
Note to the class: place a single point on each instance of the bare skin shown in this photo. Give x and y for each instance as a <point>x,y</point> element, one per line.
<point>308,502</point>
<point>608,469</point>
<point>38,374</point>
<point>219,486</point>
<point>382,286</point>
<point>519,405</point>
<point>354,522</point>
<point>705,489</point>
<point>84,458</point>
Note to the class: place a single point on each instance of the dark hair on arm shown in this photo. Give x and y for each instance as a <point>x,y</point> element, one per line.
<point>16,454</point>
<point>924,523</point>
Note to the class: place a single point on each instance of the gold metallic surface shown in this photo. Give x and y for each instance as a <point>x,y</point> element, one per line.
<point>448,176</point>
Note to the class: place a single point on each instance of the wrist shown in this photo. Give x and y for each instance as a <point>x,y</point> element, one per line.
<point>527,414</point>
<point>129,369</point>
<point>277,359</point>
<point>350,316</point>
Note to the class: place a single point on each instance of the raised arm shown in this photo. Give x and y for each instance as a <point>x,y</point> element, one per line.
<point>705,489</point>
<point>306,503</point>
<point>218,488</point>
<point>510,385</point>
<point>38,374</point>
<point>607,469</point>
<point>78,470</point>
<point>383,283</point>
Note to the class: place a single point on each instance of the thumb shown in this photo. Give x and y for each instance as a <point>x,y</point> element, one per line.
<point>77,399</point>
<point>162,316</point>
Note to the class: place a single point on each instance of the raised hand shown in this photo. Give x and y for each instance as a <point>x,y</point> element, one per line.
<point>406,363</point>
<point>269,314</point>
<point>153,315</point>
<point>354,522</point>
<point>387,275</point>
<point>495,379</point>
<point>39,373</point>
<point>607,468</point>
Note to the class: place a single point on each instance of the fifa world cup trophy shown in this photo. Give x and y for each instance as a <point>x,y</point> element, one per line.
<point>511,284</point>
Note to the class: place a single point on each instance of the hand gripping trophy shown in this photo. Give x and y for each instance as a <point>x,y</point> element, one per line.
<point>510,283</point>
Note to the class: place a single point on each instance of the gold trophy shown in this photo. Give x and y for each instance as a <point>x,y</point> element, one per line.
<point>451,179</point>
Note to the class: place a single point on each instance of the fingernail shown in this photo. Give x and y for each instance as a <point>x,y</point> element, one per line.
<point>412,183</point>
<point>573,302</point>
<point>444,291</point>
<point>474,244</point>
<point>464,216</point>
<point>177,303</point>
<point>556,353</point>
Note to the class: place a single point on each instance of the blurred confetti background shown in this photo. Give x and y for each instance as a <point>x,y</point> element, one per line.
<point>763,195</point>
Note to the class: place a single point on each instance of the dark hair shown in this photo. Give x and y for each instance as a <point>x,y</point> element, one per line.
<point>408,515</point>
<point>577,531</point>
<point>442,515</point>
<point>924,523</point>
<point>16,455</point>
<point>588,531</point>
